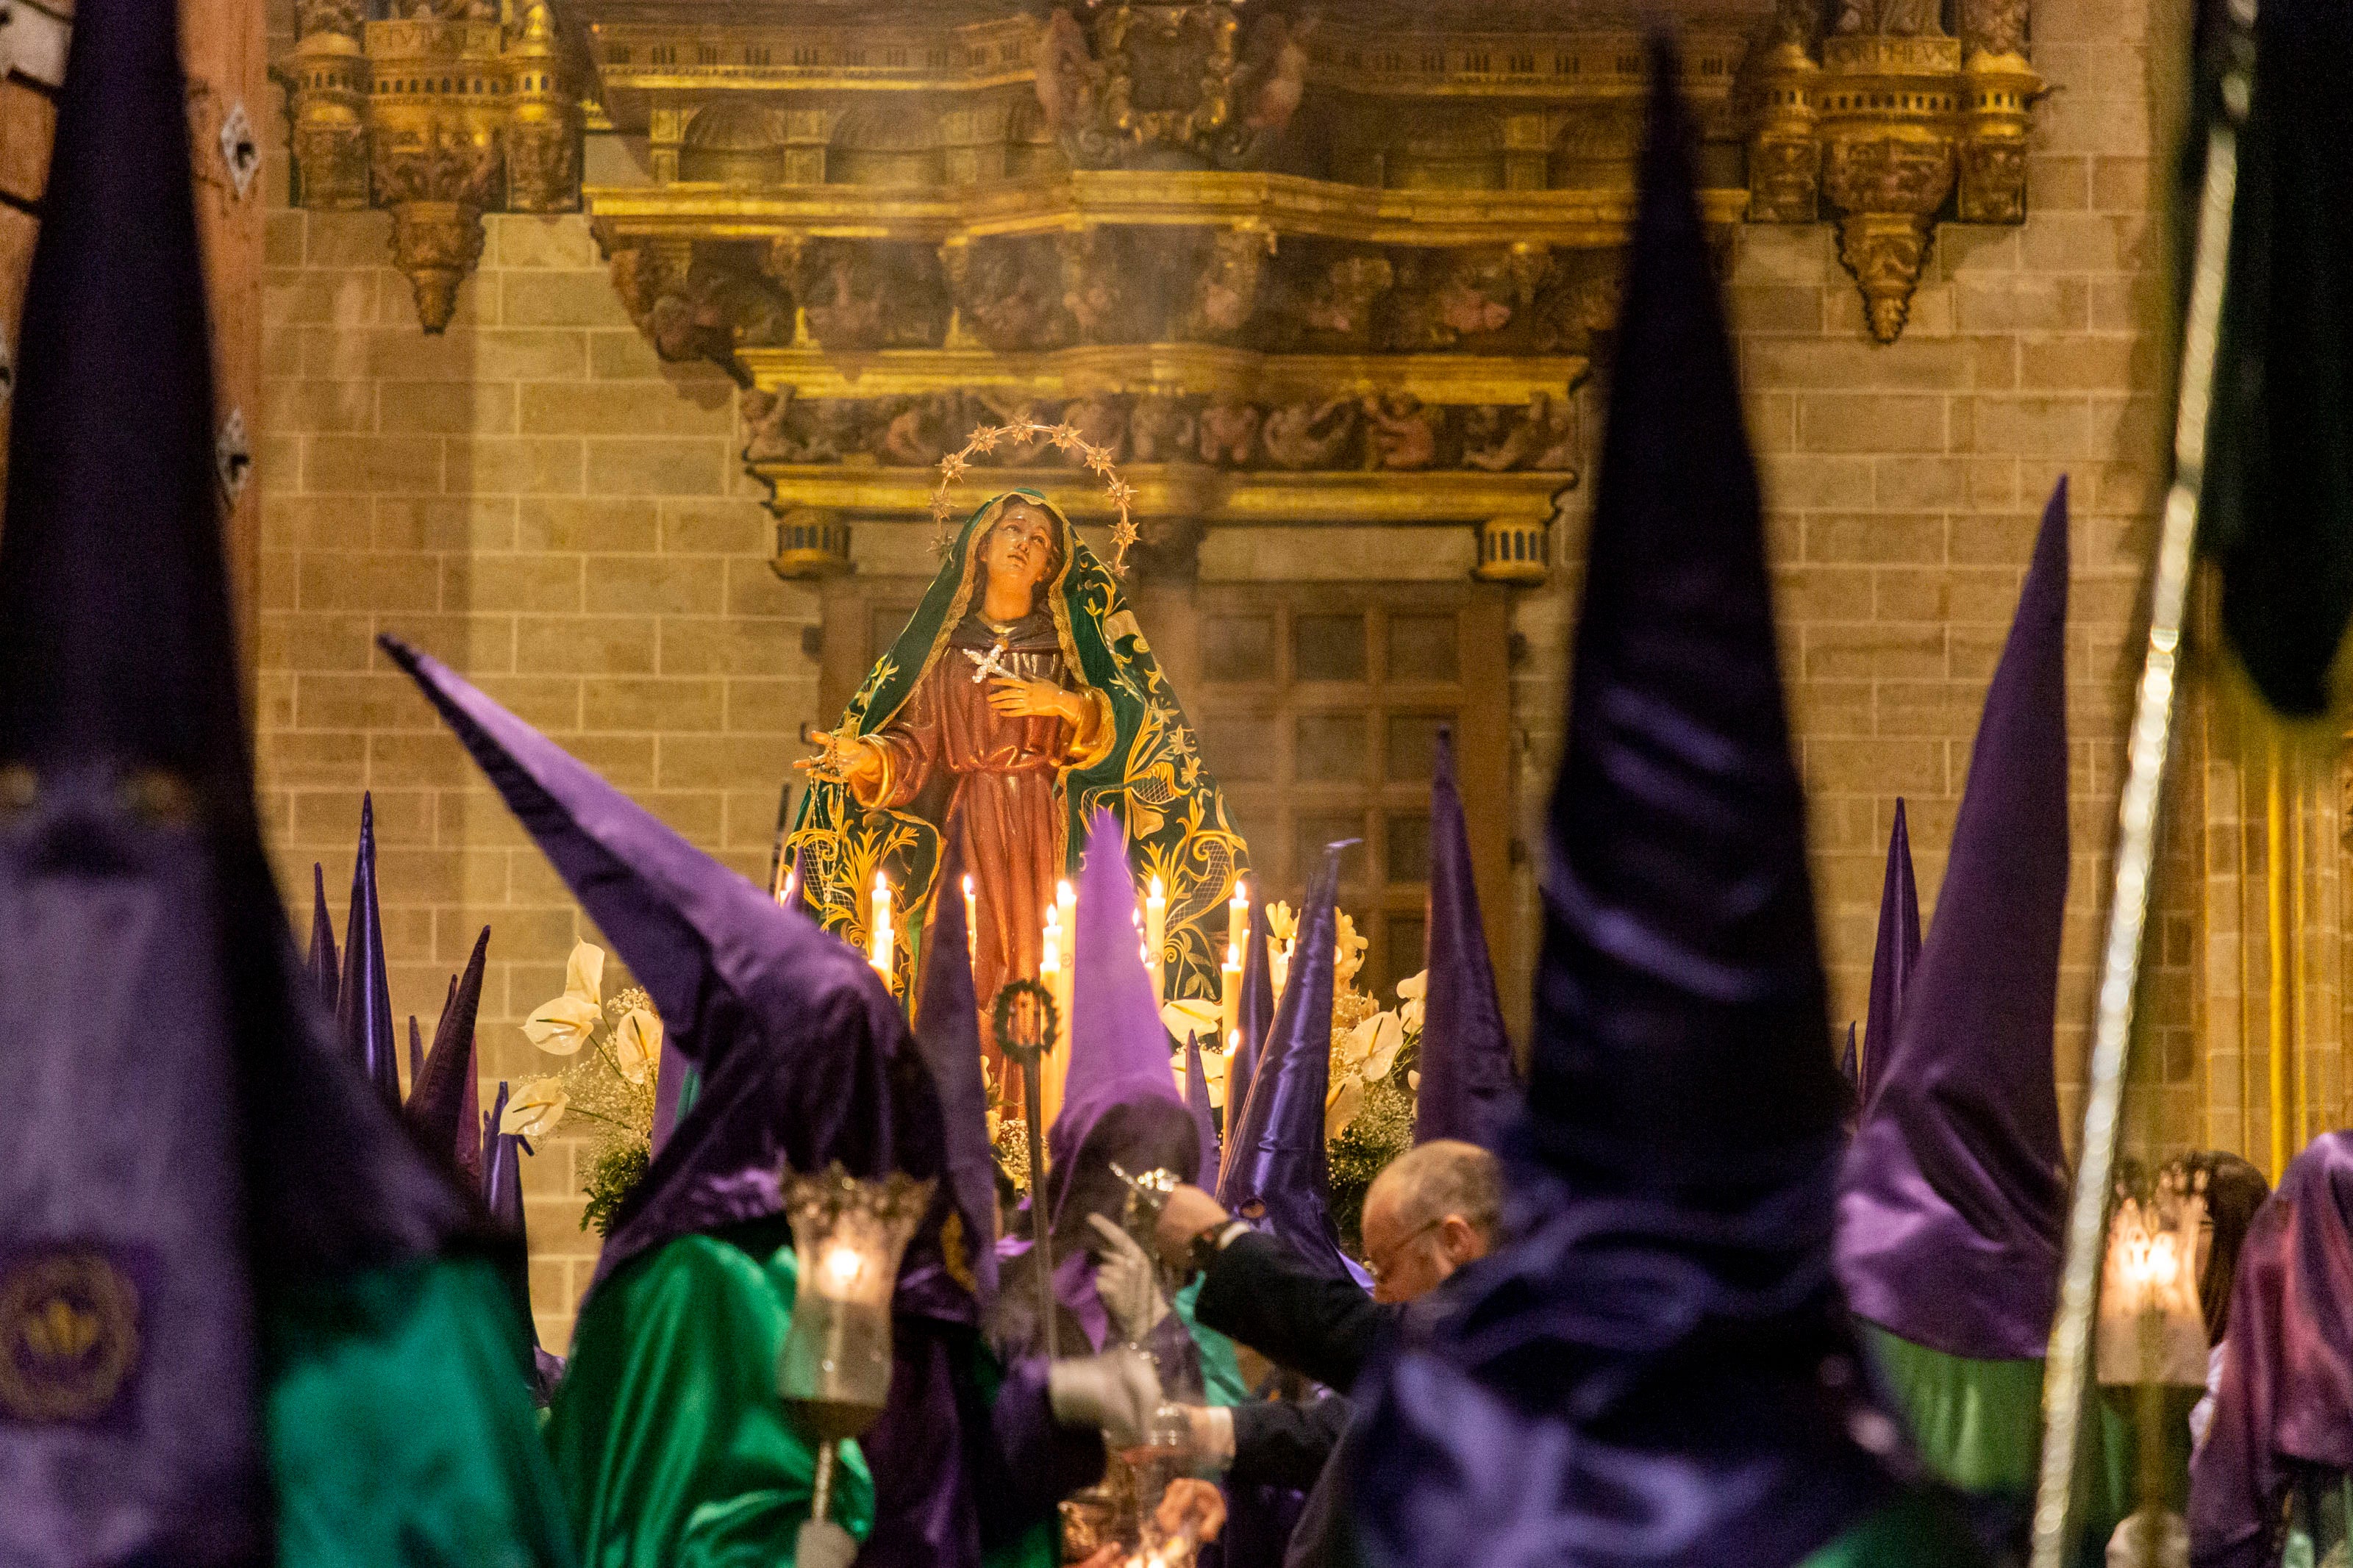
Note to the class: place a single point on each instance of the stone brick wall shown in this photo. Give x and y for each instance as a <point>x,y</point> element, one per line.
<point>535,499</point>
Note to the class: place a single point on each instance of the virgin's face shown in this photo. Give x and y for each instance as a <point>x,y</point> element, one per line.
<point>1019,549</point>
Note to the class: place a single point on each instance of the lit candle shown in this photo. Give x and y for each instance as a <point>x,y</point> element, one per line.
<point>971,921</point>
<point>1049,962</point>
<point>1066,912</point>
<point>1229,992</point>
<point>879,934</point>
<point>1155,932</point>
<point>791,889</point>
<point>1050,975</point>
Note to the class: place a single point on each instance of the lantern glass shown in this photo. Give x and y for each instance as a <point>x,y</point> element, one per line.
<point>848,1237</point>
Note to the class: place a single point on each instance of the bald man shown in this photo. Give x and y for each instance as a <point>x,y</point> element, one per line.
<point>1430,1211</point>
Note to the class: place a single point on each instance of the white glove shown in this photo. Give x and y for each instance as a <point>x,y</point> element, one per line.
<point>1115,1392</point>
<point>1128,1282</point>
<point>822,1543</point>
<point>1209,1439</point>
<point>2154,1537</point>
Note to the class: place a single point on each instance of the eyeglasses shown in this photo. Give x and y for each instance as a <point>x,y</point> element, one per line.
<point>1379,1265</point>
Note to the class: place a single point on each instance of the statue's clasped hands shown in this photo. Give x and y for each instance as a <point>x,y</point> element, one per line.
<point>1017,698</point>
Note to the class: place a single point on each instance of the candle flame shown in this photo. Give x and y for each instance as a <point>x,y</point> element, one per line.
<point>841,1269</point>
<point>968,884</point>
<point>1158,892</point>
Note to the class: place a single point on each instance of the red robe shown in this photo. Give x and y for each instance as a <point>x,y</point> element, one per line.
<point>1003,805</point>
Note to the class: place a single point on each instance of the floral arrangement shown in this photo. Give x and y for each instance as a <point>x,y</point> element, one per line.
<point>614,1047</point>
<point>1368,1104</point>
<point>1368,1111</point>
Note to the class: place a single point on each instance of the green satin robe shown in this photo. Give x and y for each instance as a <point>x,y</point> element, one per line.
<point>400,1429</point>
<point>1917,1531</point>
<point>1978,1423</point>
<point>671,1445</point>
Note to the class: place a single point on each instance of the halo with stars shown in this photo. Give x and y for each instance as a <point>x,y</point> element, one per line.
<point>1027,432</point>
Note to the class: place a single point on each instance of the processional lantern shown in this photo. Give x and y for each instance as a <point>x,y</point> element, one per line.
<point>835,1370</point>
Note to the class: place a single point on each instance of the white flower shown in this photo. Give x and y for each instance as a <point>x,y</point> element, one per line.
<point>534,1109</point>
<point>1370,1048</point>
<point>1347,1099</point>
<point>1412,992</point>
<point>584,973</point>
<point>1189,1015</point>
<point>1389,1035</point>
<point>637,1044</point>
<point>562,1026</point>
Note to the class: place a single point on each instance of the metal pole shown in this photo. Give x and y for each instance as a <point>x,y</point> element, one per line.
<point>2137,820</point>
<point>2275,928</point>
<point>1041,1232</point>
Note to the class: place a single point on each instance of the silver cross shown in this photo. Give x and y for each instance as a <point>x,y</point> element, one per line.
<point>987,663</point>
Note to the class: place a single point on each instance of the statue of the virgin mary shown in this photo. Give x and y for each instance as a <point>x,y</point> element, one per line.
<point>1020,700</point>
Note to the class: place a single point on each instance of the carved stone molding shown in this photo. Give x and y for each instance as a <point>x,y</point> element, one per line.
<point>440,114</point>
<point>1388,431</point>
<point>703,300</point>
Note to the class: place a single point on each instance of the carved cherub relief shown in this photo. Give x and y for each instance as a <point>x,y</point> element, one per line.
<point>1302,436</point>
<point>1161,430</point>
<point>1228,434</point>
<point>1405,431</point>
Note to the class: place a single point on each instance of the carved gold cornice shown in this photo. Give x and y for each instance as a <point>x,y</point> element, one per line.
<point>1171,369</point>
<point>1350,269</point>
<point>1185,490</point>
<point>1273,203</point>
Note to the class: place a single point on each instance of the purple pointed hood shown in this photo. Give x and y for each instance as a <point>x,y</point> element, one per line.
<point>182,1143</point>
<point>444,1102</point>
<point>1119,1099</point>
<point>1196,1100</point>
<point>1643,1374</point>
<point>1257,1017</point>
<point>1278,1174</point>
<point>364,1012</point>
<point>502,1179</point>
<point>1468,1086</point>
<point>1953,1203</point>
<point>1119,1047</point>
<point>948,1032</point>
<point>793,1034</point>
<point>1894,958</point>
<point>323,967</point>
<point>670,1085</point>
<point>2284,1405</point>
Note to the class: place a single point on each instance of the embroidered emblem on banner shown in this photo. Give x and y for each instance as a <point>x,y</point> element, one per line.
<point>69,1334</point>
